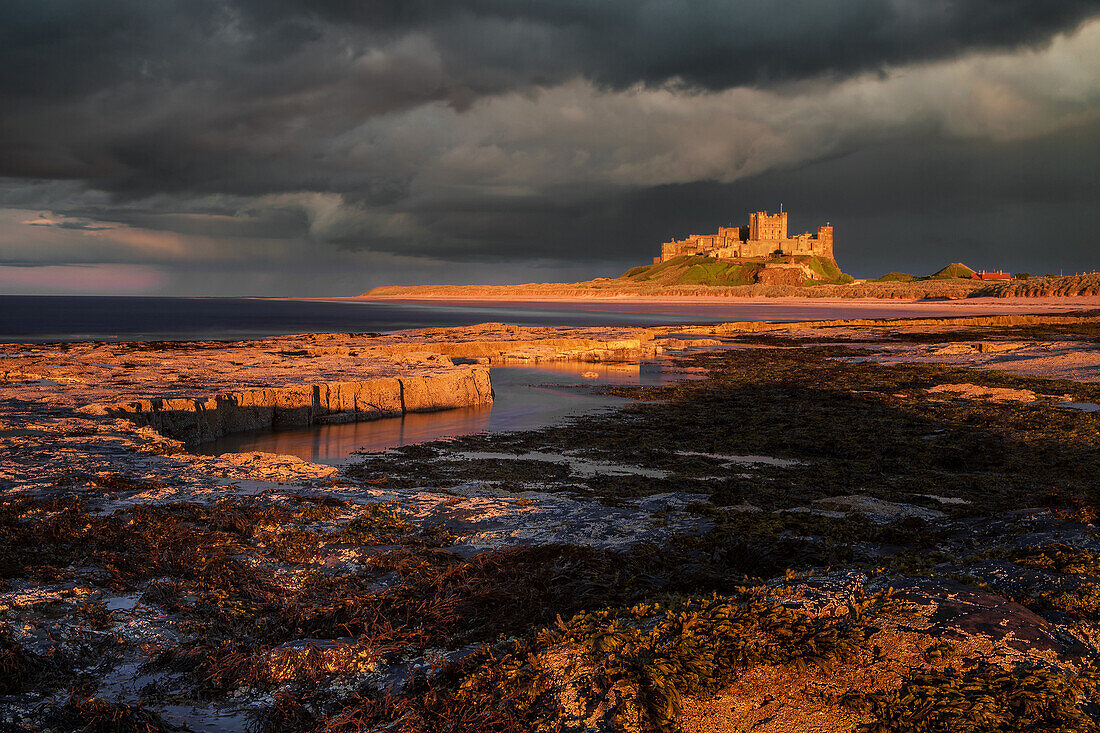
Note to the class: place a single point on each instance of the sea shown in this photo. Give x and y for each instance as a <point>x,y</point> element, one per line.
<point>33,318</point>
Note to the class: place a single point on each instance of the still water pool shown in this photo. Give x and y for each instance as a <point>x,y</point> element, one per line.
<point>525,398</point>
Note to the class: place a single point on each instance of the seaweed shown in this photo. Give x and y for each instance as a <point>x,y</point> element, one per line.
<point>96,715</point>
<point>632,665</point>
<point>985,698</point>
<point>19,668</point>
<point>1060,558</point>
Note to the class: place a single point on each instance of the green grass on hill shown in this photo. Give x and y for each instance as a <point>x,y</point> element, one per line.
<point>955,269</point>
<point>694,270</point>
<point>719,273</point>
<point>697,270</point>
<point>895,277</point>
<point>828,271</point>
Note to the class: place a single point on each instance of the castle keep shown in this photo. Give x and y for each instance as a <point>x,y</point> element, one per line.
<point>766,235</point>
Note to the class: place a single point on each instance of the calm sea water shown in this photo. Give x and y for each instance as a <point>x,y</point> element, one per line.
<point>525,398</point>
<point>67,318</point>
<point>64,318</point>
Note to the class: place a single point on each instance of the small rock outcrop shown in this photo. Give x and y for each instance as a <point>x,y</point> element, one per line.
<point>196,421</point>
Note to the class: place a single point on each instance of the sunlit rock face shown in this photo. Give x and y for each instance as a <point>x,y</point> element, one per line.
<point>200,421</point>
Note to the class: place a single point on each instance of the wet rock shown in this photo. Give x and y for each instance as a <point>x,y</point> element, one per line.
<point>953,611</point>
<point>973,391</point>
<point>876,508</point>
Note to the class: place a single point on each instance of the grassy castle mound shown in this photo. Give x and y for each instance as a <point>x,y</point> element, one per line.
<point>698,270</point>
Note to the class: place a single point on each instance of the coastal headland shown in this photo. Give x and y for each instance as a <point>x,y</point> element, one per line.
<point>761,260</point>
<point>846,524</point>
<point>1083,289</point>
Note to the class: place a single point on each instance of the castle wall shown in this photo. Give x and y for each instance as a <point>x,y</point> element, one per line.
<point>759,248</point>
<point>765,235</point>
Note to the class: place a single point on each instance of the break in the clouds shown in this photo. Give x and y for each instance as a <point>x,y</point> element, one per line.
<point>328,146</point>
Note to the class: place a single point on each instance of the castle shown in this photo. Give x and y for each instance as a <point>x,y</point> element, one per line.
<point>766,235</point>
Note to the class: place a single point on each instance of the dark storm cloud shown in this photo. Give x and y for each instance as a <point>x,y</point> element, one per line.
<point>66,47</point>
<point>239,95</point>
<point>53,49</point>
<point>554,131</point>
<point>1024,205</point>
<point>710,43</point>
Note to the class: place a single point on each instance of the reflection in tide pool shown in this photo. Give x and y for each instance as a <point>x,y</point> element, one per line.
<point>525,398</point>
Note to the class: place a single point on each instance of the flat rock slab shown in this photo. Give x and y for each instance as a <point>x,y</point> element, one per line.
<point>873,507</point>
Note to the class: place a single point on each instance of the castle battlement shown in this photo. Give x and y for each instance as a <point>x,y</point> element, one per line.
<point>765,236</point>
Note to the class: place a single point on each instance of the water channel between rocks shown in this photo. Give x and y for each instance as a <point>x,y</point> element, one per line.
<point>524,398</point>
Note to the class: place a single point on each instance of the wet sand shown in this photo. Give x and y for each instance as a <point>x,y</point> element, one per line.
<point>715,309</point>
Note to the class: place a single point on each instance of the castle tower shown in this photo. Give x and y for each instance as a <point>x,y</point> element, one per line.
<point>825,241</point>
<point>763,226</point>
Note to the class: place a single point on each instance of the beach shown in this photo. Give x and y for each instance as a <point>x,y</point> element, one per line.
<point>832,488</point>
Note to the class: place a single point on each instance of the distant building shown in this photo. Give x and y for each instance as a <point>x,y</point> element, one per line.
<point>997,275</point>
<point>766,235</point>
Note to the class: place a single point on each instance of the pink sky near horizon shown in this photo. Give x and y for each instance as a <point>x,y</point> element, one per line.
<point>80,279</point>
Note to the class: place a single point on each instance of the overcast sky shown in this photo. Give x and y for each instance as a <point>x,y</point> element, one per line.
<point>322,147</point>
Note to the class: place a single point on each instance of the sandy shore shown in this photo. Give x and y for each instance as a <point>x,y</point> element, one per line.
<point>1042,302</point>
<point>719,309</point>
<point>645,302</point>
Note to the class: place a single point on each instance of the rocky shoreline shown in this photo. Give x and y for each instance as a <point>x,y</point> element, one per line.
<point>199,391</point>
<point>849,525</point>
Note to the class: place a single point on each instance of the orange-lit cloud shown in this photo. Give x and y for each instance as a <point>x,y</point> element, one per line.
<point>150,242</point>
